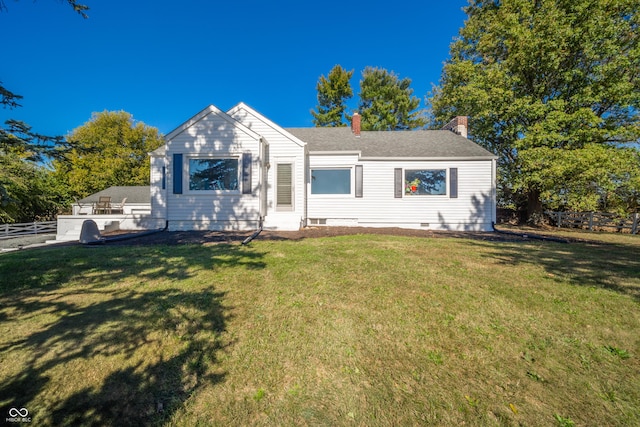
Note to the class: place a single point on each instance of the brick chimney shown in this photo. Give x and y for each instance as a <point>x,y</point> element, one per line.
<point>457,125</point>
<point>355,124</point>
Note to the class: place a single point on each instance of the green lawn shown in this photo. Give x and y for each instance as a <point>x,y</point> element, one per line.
<point>354,330</point>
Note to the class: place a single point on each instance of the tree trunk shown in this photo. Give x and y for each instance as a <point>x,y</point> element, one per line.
<point>534,207</point>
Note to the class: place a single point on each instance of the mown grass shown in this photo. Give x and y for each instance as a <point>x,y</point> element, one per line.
<point>354,330</point>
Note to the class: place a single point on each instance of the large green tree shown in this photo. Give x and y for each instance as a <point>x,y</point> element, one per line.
<point>552,89</point>
<point>110,149</point>
<point>29,191</point>
<point>387,102</point>
<point>333,92</point>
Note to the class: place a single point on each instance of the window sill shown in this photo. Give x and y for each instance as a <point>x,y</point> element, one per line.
<point>419,196</point>
<point>213,193</point>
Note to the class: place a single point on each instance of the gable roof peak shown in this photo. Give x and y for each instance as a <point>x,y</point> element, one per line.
<point>211,109</point>
<point>241,106</point>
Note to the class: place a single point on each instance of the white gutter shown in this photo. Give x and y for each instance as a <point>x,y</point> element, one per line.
<point>380,159</point>
<point>440,159</point>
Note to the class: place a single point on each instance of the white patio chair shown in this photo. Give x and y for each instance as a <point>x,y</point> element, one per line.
<point>118,207</point>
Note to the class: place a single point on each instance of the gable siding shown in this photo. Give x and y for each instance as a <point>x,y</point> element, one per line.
<point>212,136</point>
<point>282,150</point>
<point>473,209</point>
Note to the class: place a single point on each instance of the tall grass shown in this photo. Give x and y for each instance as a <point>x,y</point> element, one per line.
<point>363,330</point>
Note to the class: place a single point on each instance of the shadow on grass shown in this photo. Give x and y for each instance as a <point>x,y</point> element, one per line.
<point>131,310</point>
<point>607,265</point>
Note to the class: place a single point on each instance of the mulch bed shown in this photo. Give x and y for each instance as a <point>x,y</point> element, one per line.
<point>235,237</point>
<point>127,238</point>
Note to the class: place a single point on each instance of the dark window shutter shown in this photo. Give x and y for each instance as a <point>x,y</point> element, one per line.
<point>453,183</point>
<point>164,177</point>
<point>358,180</point>
<point>177,174</point>
<point>246,173</point>
<point>398,187</point>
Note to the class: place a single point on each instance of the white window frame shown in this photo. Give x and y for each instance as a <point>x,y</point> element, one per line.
<point>446,182</point>
<point>283,208</point>
<point>340,195</point>
<point>187,174</point>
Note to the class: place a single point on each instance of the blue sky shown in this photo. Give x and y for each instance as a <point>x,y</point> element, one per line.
<point>164,61</point>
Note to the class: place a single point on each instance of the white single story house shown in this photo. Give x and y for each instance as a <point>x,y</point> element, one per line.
<point>238,170</point>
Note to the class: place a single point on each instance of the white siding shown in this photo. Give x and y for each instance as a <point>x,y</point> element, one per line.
<point>282,149</point>
<point>473,209</point>
<point>243,131</point>
<point>212,136</point>
<point>158,194</point>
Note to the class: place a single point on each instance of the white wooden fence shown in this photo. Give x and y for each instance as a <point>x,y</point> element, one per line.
<point>596,221</point>
<point>8,231</point>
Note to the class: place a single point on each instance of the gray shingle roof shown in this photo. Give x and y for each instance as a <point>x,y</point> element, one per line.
<point>134,194</point>
<point>419,144</point>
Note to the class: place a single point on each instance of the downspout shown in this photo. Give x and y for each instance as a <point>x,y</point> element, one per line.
<point>262,186</point>
<point>136,235</point>
<point>253,236</point>
<point>165,190</point>
<point>494,190</point>
<point>101,240</point>
<point>264,173</point>
<point>305,186</point>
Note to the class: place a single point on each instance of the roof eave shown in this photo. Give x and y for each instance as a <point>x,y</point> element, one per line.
<point>158,152</point>
<point>336,153</point>
<point>211,109</point>
<point>439,159</point>
<point>266,121</point>
<point>403,159</point>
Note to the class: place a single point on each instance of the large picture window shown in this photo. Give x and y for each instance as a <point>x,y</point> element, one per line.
<point>331,181</point>
<point>213,174</point>
<point>430,182</point>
